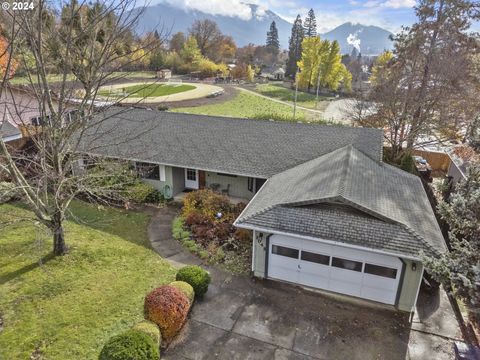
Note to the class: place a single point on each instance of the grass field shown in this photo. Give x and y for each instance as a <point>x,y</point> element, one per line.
<point>145,90</point>
<point>69,306</point>
<point>282,93</point>
<point>21,80</point>
<point>247,105</point>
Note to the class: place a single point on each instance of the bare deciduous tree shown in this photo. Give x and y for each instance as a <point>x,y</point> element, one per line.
<point>84,44</point>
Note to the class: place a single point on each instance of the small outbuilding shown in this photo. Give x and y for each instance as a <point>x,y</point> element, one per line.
<point>164,74</point>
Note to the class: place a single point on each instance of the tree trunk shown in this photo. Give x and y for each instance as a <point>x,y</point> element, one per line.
<point>59,247</point>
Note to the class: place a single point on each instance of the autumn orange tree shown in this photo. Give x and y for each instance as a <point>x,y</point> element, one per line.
<point>5,61</point>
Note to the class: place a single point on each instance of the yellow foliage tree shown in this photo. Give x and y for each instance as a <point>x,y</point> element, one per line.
<point>321,65</point>
<point>250,73</point>
<point>380,68</point>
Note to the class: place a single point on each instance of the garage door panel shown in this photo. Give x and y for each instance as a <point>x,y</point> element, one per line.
<point>376,294</point>
<point>378,282</point>
<point>344,270</point>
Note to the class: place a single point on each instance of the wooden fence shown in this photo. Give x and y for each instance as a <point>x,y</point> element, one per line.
<point>437,160</point>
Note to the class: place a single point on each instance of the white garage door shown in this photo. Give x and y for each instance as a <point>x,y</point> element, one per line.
<point>343,270</point>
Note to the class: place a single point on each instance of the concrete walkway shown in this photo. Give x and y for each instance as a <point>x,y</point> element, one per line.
<point>242,318</point>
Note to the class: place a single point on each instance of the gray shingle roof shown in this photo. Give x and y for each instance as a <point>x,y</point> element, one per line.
<point>7,130</point>
<point>397,199</point>
<point>237,146</point>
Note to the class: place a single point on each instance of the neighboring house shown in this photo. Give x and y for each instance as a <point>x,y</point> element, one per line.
<point>325,211</point>
<point>462,156</point>
<point>273,73</point>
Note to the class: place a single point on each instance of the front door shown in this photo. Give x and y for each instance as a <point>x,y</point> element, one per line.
<point>191,179</point>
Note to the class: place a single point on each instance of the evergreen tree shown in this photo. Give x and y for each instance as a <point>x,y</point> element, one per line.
<point>310,24</point>
<point>295,47</point>
<point>273,45</point>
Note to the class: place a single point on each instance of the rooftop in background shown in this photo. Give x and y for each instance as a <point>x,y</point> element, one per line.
<point>463,156</point>
<point>9,132</point>
<point>253,148</point>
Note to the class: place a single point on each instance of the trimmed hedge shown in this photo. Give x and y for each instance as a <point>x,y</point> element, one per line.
<point>131,345</point>
<point>197,277</point>
<point>167,307</point>
<point>149,328</point>
<point>185,288</point>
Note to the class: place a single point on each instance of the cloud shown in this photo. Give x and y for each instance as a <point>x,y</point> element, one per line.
<point>354,40</point>
<point>232,8</point>
<point>398,4</point>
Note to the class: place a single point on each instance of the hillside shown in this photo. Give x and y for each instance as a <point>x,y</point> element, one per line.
<point>253,30</point>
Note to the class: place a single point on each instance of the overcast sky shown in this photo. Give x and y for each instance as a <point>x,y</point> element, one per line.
<point>389,14</point>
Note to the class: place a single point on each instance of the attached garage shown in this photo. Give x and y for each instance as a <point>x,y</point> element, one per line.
<point>330,267</point>
<point>346,224</point>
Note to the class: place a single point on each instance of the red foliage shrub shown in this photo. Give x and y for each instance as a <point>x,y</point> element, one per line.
<point>195,218</point>
<point>206,202</point>
<point>243,235</point>
<point>167,307</point>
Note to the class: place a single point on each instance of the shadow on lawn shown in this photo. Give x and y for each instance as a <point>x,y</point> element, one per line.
<point>27,268</point>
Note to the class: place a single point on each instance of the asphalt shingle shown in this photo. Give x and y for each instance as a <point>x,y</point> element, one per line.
<point>236,146</point>
<point>350,177</point>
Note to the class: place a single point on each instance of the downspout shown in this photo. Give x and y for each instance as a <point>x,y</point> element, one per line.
<point>267,250</point>
<point>400,283</point>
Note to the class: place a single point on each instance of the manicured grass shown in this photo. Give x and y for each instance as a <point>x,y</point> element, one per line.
<point>146,90</point>
<point>69,306</point>
<point>285,94</point>
<point>247,105</point>
<point>20,80</point>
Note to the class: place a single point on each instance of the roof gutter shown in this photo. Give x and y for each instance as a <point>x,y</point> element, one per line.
<point>330,242</point>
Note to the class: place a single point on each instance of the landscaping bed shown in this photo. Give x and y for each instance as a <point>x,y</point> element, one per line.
<point>205,227</point>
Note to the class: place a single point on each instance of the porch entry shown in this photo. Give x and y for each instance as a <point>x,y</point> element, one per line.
<point>191,179</point>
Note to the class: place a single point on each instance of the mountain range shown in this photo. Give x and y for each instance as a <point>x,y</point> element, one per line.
<point>369,40</point>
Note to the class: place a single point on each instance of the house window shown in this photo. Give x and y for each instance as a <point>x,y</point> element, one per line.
<point>192,174</point>
<point>381,271</point>
<point>284,251</point>
<point>347,264</point>
<point>251,183</point>
<point>315,258</point>
<point>148,170</point>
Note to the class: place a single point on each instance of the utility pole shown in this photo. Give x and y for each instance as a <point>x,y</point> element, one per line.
<point>296,92</point>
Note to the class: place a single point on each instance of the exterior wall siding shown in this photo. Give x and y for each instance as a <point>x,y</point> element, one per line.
<point>409,289</point>
<point>259,254</point>
<point>238,184</point>
<point>177,176</point>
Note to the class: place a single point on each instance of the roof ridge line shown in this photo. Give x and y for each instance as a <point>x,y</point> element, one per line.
<point>345,171</point>
<point>420,238</point>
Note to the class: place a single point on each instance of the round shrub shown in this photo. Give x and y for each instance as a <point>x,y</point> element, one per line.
<point>167,307</point>
<point>195,276</point>
<point>185,288</point>
<point>131,345</point>
<point>149,328</point>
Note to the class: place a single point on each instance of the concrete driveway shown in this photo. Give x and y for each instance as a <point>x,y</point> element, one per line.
<point>247,319</point>
<point>242,318</point>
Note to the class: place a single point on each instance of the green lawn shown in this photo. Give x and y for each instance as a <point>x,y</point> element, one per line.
<point>146,90</point>
<point>17,80</point>
<point>69,306</point>
<point>246,105</point>
<point>285,94</point>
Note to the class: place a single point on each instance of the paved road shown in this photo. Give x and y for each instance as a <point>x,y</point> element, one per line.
<point>241,318</point>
